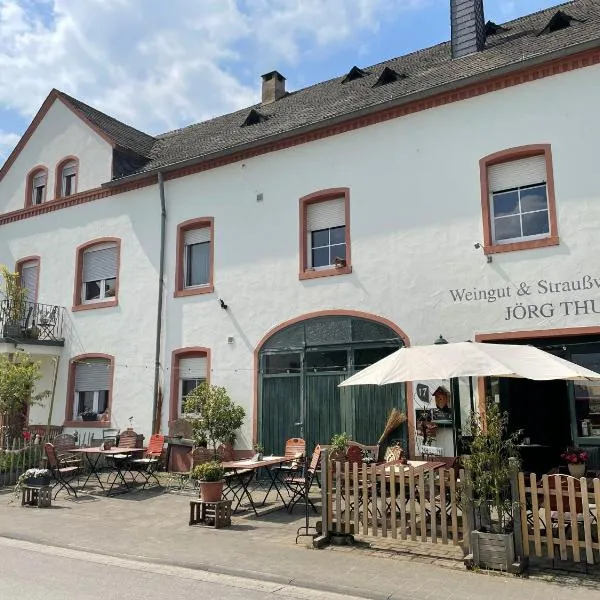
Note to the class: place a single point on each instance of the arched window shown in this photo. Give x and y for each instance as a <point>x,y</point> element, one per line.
<point>66,177</point>
<point>97,274</point>
<point>189,368</point>
<point>37,183</point>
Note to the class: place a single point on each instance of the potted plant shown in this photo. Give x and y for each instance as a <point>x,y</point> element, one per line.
<point>89,415</point>
<point>213,415</point>
<point>338,446</point>
<point>15,297</point>
<point>575,459</point>
<point>37,477</point>
<point>210,475</point>
<point>259,451</point>
<point>489,467</point>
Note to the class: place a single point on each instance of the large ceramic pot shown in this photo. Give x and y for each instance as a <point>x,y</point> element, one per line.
<point>211,491</point>
<point>577,469</point>
<point>44,480</point>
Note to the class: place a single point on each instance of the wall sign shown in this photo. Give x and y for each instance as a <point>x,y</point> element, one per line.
<point>536,299</point>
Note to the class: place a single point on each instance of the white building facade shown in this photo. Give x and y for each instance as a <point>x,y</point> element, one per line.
<point>469,212</point>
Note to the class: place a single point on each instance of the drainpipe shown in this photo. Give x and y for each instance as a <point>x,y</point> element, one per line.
<point>52,395</point>
<point>161,274</point>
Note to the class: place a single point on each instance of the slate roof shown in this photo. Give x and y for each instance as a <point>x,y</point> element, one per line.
<point>124,136</point>
<point>425,70</point>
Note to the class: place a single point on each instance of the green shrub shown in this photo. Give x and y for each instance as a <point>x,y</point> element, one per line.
<point>209,471</point>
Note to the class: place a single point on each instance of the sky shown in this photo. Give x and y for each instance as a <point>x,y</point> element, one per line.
<point>163,64</point>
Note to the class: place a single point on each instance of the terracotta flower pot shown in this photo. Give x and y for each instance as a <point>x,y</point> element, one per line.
<point>577,469</point>
<point>211,491</point>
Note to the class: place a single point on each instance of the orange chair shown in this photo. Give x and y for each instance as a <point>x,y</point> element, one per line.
<point>146,467</point>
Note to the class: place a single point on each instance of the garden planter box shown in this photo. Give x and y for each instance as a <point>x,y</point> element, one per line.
<point>494,551</point>
<point>38,481</point>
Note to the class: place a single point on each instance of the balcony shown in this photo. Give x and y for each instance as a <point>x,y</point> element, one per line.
<point>31,323</point>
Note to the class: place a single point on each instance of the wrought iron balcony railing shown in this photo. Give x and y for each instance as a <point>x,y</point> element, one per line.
<point>30,322</point>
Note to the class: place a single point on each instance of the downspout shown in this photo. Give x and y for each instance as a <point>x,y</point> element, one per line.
<point>161,274</point>
<point>52,395</point>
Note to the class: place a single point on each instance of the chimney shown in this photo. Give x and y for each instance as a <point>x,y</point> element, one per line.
<point>273,87</point>
<point>467,26</point>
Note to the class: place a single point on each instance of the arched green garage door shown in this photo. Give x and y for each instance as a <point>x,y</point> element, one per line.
<point>300,369</point>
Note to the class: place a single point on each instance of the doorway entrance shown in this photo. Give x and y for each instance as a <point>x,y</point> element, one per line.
<point>301,367</point>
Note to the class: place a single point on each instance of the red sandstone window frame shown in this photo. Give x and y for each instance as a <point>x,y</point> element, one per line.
<point>505,156</point>
<point>306,272</point>
<point>176,356</point>
<point>29,185</point>
<point>78,304</point>
<point>69,420</point>
<point>58,177</point>
<point>191,224</point>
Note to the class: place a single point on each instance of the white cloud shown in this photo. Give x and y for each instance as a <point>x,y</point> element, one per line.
<point>161,65</point>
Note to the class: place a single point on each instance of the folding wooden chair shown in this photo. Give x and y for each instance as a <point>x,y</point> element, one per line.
<point>146,467</point>
<point>63,475</point>
<point>300,486</point>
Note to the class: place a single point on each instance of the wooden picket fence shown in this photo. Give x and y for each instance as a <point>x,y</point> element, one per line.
<point>559,517</point>
<point>397,501</point>
<point>18,455</point>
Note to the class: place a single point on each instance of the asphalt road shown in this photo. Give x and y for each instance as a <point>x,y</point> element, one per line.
<point>34,571</point>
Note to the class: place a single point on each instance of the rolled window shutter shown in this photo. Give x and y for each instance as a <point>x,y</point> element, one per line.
<point>326,214</point>
<point>39,180</point>
<point>517,173</point>
<point>196,236</point>
<point>193,368</point>
<point>29,279</point>
<point>92,375</point>
<point>69,169</point>
<point>100,264</point>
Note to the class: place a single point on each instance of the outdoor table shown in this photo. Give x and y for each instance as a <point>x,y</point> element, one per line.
<point>97,452</point>
<point>245,470</point>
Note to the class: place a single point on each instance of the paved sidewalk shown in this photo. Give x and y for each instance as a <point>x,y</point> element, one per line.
<point>153,527</point>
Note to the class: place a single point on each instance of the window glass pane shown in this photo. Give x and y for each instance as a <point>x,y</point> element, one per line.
<point>92,290</point>
<point>187,386</point>
<point>534,199</point>
<point>328,360</point>
<point>320,238</point>
<point>338,235</point>
<point>282,363</point>
<point>38,195</point>
<point>102,401</point>
<point>367,356</point>
<point>85,402</point>
<point>68,185</point>
<point>506,203</point>
<point>198,264</point>
<point>536,223</point>
<point>110,287</point>
<point>507,228</point>
<point>338,251</point>
<point>587,395</point>
<point>320,257</point>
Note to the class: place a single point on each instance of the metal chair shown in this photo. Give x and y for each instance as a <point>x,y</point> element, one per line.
<point>300,486</point>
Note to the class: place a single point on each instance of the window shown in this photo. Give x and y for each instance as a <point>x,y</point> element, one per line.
<point>97,274</point>
<point>324,233</point>
<point>29,269</point>
<point>194,269</point>
<point>66,177</point>
<point>518,200</point>
<point>90,388</point>
<point>36,186</point>
<point>190,368</point>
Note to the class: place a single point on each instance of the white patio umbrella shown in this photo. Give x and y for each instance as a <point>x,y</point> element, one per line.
<point>469,359</point>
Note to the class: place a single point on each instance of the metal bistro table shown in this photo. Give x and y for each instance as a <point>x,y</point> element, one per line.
<point>92,456</point>
<point>243,473</point>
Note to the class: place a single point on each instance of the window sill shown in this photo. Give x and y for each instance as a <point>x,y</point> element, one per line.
<point>209,289</point>
<point>515,246</point>
<point>325,272</point>
<point>88,424</point>
<point>94,305</point>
